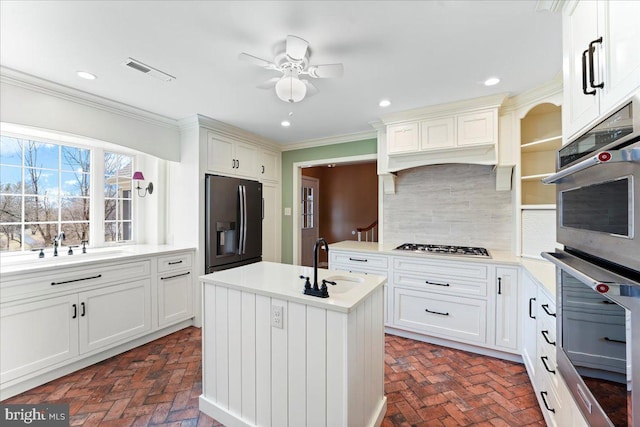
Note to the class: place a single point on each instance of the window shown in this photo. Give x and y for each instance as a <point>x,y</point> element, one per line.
<point>307,207</point>
<point>118,187</point>
<point>44,190</point>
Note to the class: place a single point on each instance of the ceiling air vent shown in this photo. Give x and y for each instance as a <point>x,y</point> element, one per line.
<point>150,71</point>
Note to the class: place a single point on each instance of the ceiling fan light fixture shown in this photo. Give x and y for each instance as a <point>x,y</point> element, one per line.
<point>291,89</point>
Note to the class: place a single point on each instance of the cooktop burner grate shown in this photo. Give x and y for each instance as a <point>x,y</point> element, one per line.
<point>445,249</point>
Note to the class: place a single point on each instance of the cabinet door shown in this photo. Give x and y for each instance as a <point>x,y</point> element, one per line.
<point>36,335</point>
<point>477,128</point>
<point>220,155</point>
<point>175,297</point>
<point>246,160</point>
<point>529,326</point>
<point>579,28</point>
<point>619,26</point>
<point>113,314</point>
<point>436,134</point>
<point>403,138</point>
<point>507,307</point>
<point>269,166</point>
<point>271,222</point>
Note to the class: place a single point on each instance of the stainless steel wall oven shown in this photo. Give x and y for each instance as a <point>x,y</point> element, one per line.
<point>598,272</point>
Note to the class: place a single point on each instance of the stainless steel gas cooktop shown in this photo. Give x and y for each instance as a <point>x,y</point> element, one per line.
<point>445,250</point>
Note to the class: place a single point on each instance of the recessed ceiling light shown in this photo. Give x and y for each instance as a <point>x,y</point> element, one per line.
<point>492,81</point>
<point>86,75</point>
<point>285,123</point>
<point>384,103</point>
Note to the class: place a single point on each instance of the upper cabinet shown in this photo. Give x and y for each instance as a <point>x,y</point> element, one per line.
<point>268,165</point>
<point>231,157</point>
<point>462,132</point>
<point>601,63</point>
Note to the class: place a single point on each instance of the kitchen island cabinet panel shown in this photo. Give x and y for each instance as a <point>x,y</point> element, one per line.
<point>248,355</point>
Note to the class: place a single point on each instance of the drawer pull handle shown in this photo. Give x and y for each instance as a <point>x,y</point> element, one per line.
<point>436,283</point>
<point>436,312</point>
<point>545,334</point>
<point>545,307</point>
<point>592,79</point>
<point>175,262</point>
<point>358,259</point>
<point>531,308</point>
<point>544,362</point>
<point>76,280</point>
<point>75,311</point>
<point>499,285</point>
<point>176,275</point>
<point>612,340</point>
<point>544,399</point>
<point>83,309</point>
<point>584,74</point>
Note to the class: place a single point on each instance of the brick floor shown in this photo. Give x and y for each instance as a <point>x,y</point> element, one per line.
<point>426,385</point>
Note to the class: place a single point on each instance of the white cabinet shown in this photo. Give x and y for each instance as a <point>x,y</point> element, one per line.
<point>37,335</point>
<point>529,323</point>
<point>268,165</point>
<point>271,221</point>
<point>175,288</point>
<point>437,133</point>
<point>601,59</point>
<point>477,128</point>
<point>114,314</point>
<point>507,307</point>
<point>403,138</point>
<point>231,157</point>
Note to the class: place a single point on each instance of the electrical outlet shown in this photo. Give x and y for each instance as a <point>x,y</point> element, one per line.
<point>277,313</point>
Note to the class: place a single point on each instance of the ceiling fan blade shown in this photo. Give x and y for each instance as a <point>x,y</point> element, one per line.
<point>326,71</point>
<point>269,84</point>
<point>311,89</point>
<point>257,61</point>
<point>296,48</point>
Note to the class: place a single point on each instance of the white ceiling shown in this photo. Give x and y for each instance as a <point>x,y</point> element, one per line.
<point>415,53</point>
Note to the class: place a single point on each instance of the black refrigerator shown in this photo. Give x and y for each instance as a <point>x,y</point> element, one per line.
<point>233,222</point>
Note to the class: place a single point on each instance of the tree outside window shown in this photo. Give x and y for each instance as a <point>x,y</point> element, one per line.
<point>118,207</point>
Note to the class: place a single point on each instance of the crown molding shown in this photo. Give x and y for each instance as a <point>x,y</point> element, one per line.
<point>330,140</point>
<point>550,5</point>
<point>229,131</point>
<point>535,95</point>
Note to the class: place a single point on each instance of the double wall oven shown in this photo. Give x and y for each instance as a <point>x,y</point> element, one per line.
<point>598,272</point>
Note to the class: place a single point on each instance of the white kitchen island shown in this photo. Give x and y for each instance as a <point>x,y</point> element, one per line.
<point>273,356</point>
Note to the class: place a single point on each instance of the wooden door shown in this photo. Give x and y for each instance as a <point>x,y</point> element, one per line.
<point>309,220</point>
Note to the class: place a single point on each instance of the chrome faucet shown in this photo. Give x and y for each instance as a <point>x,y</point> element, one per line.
<point>57,240</point>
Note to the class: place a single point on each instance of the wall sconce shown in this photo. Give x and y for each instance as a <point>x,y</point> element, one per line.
<point>138,176</point>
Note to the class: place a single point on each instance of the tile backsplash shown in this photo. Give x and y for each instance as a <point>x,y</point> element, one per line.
<point>453,204</point>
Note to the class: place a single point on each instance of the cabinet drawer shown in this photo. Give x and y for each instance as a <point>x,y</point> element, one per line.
<point>74,278</point>
<point>359,260</point>
<point>452,286</point>
<point>441,268</point>
<point>358,269</point>
<point>443,315</point>
<point>546,364</point>
<point>175,262</point>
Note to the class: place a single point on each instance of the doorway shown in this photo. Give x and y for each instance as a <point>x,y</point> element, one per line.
<point>345,202</point>
<point>309,209</point>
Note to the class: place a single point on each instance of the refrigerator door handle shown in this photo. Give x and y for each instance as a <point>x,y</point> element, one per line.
<point>241,228</point>
<point>244,234</point>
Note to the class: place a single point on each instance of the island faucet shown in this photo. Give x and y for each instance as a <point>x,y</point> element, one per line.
<point>319,242</point>
<point>57,240</point>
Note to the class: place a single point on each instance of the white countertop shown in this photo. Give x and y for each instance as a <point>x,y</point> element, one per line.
<point>14,264</point>
<point>283,281</point>
<point>542,270</point>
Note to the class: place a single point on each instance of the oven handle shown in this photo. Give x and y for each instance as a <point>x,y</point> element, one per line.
<point>614,156</point>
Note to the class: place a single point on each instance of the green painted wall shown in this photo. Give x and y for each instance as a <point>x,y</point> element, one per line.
<point>356,148</point>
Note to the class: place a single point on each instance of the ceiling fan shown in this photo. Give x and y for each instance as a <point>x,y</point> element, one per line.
<point>293,63</point>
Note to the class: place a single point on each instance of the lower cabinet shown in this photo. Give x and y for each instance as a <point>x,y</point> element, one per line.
<point>507,307</point>
<point>175,297</point>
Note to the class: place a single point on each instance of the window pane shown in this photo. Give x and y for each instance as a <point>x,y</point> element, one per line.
<point>109,210</point>
<point>39,235</point>
<point>110,230</point>
<point>75,159</point>
<point>126,231</point>
<point>10,208</point>
<point>125,166</point>
<point>110,163</point>
<point>74,232</point>
<point>75,209</point>
<point>40,208</point>
<point>10,179</point>
<point>40,181</point>
<point>125,209</point>
<point>41,155</point>
<point>75,184</point>
<point>10,237</point>
<point>10,151</point>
